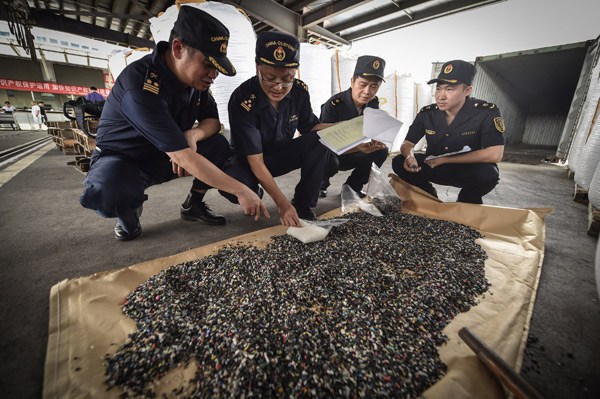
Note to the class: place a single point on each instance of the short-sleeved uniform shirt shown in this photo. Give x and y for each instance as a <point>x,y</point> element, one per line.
<point>340,107</point>
<point>258,128</point>
<point>478,124</point>
<point>147,112</point>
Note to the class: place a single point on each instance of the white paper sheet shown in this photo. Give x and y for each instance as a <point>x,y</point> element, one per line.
<point>344,135</point>
<point>464,149</point>
<point>380,126</point>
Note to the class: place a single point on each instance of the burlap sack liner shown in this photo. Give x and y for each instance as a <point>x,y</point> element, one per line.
<point>86,321</point>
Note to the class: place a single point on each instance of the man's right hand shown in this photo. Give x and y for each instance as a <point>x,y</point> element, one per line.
<point>252,205</point>
<point>288,215</point>
<point>411,164</point>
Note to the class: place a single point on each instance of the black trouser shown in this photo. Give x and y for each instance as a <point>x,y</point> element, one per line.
<point>305,153</point>
<point>115,185</point>
<point>359,161</point>
<point>474,179</point>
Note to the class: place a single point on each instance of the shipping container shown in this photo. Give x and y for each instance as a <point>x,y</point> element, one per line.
<point>534,90</point>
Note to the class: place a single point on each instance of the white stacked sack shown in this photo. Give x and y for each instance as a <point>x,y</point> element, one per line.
<point>315,72</point>
<point>589,158</point>
<point>584,124</point>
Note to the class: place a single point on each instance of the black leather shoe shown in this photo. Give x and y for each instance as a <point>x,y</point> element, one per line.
<point>122,235</point>
<point>200,212</point>
<point>323,193</point>
<point>304,212</point>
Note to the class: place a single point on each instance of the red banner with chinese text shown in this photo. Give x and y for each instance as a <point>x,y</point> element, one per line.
<point>48,87</point>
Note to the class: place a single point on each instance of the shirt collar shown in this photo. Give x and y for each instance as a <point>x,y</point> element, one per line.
<point>168,80</point>
<point>350,101</point>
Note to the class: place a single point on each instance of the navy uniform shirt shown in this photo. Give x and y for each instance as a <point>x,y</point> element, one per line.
<point>148,110</point>
<point>340,107</point>
<point>258,128</point>
<point>478,124</point>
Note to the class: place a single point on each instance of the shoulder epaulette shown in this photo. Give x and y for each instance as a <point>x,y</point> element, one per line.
<point>483,105</point>
<point>248,103</point>
<point>301,84</point>
<point>151,82</point>
<point>337,101</point>
<point>429,107</point>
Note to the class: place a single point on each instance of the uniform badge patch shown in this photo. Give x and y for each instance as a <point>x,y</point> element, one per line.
<point>429,107</point>
<point>248,103</point>
<point>302,84</point>
<point>448,69</point>
<point>279,53</point>
<point>151,82</point>
<point>376,64</point>
<point>337,101</point>
<point>428,131</point>
<point>484,105</point>
<point>499,123</point>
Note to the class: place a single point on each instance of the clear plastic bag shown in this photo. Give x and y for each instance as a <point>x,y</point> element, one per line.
<point>351,202</point>
<point>382,194</point>
<point>316,230</point>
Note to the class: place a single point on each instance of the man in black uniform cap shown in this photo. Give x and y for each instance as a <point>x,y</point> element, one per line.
<point>146,134</point>
<point>367,78</point>
<point>454,121</point>
<point>264,113</point>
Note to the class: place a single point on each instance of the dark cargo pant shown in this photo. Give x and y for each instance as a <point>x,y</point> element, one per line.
<point>474,179</point>
<point>358,162</point>
<point>115,185</point>
<point>305,153</point>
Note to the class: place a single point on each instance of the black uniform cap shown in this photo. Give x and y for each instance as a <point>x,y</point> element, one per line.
<point>369,65</point>
<point>278,49</point>
<point>204,32</point>
<point>454,72</point>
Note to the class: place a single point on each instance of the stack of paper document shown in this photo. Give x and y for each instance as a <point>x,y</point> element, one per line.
<point>375,124</point>
<point>464,149</point>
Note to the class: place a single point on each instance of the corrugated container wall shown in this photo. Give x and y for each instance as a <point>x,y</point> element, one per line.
<point>533,89</point>
<point>543,129</point>
<point>583,85</point>
<point>488,87</point>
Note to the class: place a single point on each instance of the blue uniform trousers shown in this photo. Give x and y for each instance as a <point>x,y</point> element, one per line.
<point>475,179</point>
<point>358,161</point>
<point>115,185</point>
<point>305,153</point>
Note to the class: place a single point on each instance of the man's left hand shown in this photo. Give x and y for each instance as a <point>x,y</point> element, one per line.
<point>178,170</point>
<point>370,147</point>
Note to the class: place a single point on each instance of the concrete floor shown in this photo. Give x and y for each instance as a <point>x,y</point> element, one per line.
<point>49,237</point>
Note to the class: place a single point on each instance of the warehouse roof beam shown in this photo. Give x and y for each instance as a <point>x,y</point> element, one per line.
<point>421,16</point>
<point>271,13</point>
<point>330,10</point>
<point>299,5</point>
<point>378,13</point>
<point>49,20</point>
<point>328,36</point>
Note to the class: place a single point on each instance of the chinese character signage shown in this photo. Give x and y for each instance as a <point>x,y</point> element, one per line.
<point>49,87</point>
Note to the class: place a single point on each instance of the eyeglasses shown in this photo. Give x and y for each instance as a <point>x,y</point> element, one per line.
<point>273,83</point>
